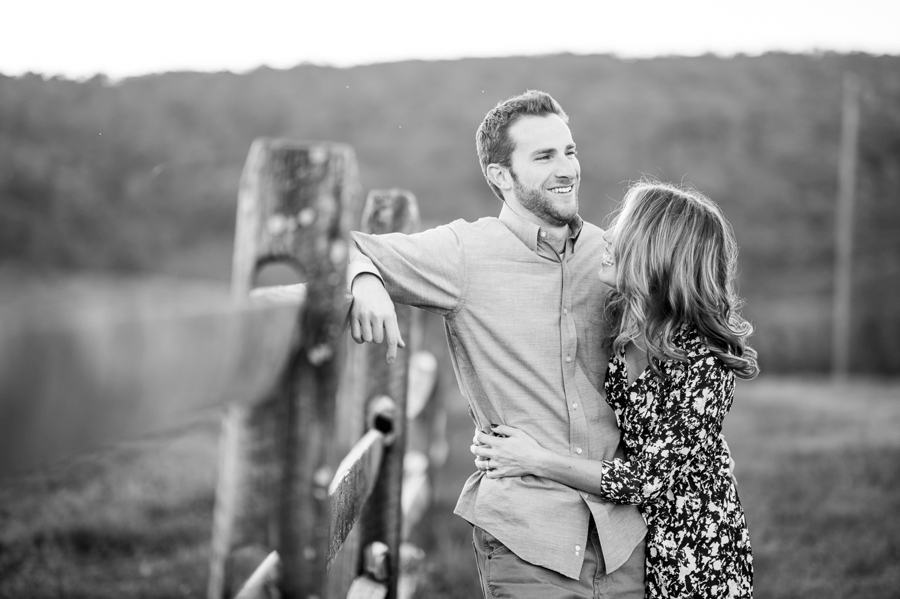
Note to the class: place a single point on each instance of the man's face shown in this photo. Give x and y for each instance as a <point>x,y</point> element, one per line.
<point>545,169</point>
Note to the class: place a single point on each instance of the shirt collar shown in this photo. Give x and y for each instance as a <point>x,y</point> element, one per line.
<point>530,233</point>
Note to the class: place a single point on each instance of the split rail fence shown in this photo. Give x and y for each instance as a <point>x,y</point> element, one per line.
<point>310,499</point>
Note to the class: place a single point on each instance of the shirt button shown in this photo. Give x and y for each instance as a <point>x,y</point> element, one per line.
<point>578,450</point>
<point>568,358</point>
<point>575,405</point>
<point>543,234</point>
<point>565,310</point>
<point>577,548</point>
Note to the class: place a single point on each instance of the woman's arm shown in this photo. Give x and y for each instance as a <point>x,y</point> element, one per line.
<point>515,453</point>
<point>688,419</point>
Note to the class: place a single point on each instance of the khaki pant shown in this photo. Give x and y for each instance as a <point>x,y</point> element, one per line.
<point>505,576</point>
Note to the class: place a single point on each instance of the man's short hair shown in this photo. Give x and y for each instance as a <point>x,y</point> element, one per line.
<point>492,139</point>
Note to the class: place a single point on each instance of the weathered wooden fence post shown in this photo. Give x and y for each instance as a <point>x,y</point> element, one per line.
<point>274,358</point>
<point>296,204</point>
<point>388,211</point>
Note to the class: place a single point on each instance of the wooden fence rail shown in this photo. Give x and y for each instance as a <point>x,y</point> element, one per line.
<point>315,428</point>
<point>86,363</point>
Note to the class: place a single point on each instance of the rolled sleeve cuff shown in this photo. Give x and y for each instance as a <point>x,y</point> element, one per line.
<point>356,268</point>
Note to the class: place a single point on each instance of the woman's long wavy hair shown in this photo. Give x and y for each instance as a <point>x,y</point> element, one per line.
<point>676,261</point>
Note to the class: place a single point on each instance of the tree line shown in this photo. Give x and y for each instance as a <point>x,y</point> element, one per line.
<point>141,175</point>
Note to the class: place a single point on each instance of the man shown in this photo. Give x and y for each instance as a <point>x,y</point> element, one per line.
<point>520,299</point>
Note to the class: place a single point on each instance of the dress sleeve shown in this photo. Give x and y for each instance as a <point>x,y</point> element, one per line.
<point>690,418</point>
<point>426,270</point>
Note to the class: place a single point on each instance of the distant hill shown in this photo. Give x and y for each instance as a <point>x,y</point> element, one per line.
<point>142,175</point>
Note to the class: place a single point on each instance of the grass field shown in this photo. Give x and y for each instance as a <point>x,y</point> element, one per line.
<point>818,465</point>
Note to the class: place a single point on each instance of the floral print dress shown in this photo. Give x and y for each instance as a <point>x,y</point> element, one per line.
<point>677,472</point>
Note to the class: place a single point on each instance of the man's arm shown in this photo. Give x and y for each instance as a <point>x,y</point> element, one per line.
<point>372,315</point>
<point>425,270</point>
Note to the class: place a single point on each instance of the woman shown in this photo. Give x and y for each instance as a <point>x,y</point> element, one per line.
<point>677,342</point>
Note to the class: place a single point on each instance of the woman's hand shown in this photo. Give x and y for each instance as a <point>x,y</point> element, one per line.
<point>514,453</point>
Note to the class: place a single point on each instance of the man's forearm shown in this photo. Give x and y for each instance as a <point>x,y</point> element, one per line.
<point>424,270</point>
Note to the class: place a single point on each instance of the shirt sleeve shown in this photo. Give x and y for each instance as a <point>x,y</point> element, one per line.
<point>690,419</point>
<point>426,270</point>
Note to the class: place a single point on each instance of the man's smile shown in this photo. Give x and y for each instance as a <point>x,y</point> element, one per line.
<point>561,190</point>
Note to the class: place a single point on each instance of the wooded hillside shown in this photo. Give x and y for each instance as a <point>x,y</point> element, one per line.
<point>142,175</point>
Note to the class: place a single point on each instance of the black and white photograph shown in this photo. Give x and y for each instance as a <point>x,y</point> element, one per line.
<point>496,299</point>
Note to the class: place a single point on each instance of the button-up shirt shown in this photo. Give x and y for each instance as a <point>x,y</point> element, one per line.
<point>525,330</point>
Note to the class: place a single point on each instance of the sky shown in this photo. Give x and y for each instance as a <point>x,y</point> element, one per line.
<point>122,38</point>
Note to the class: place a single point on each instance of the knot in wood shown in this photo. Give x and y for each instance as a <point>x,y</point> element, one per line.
<point>319,354</point>
<point>338,252</point>
<point>323,476</point>
<point>306,217</point>
<point>277,224</point>
<point>375,560</point>
<point>317,155</point>
<point>382,416</point>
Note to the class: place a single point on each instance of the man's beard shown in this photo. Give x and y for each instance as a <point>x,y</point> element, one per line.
<point>535,202</point>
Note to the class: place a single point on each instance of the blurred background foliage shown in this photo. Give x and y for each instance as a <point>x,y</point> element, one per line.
<point>141,175</point>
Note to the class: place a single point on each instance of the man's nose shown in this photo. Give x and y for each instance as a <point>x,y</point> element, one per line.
<point>566,169</point>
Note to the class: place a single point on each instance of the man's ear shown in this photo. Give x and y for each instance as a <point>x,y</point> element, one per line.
<point>500,176</point>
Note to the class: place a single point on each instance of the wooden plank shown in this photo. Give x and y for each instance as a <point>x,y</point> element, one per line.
<point>263,584</point>
<point>387,211</point>
<point>282,294</point>
<point>416,494</point>
<point>349,489</point>
<point>296,203</point>
<point>352,485</point>
<point>364,587</point>
<point>350,425</point>
<point>83,365</point>
<point>423,375</point>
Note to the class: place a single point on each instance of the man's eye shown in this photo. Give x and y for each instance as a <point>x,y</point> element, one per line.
<point>573,152</point>
<point>544,157</point>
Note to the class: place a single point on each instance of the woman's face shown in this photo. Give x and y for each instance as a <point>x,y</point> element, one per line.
<point>607,271</point>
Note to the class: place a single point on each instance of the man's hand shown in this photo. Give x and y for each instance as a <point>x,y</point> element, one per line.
<point>372,315</point>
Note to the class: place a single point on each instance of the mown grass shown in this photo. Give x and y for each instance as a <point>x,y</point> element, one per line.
<point>132,521</point>
<point>818,465</point>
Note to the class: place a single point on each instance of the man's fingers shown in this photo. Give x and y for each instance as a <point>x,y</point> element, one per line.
<point>377,330</point>
<point>366,330</point>
<point>502,429</point>
<point>355,330</point>
<point>392,336</point>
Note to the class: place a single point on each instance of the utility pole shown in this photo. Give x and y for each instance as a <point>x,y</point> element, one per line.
<point>843,263</point>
